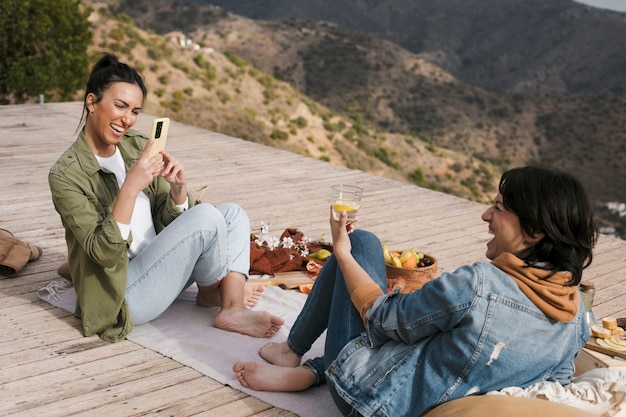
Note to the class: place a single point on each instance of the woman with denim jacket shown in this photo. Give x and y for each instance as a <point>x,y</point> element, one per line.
<point>512,321</point>
<point>135,239</point>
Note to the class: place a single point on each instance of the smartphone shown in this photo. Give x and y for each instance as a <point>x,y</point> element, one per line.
<point>159,133</point>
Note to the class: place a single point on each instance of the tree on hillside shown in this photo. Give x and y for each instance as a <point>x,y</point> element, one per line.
<point>43,48</point>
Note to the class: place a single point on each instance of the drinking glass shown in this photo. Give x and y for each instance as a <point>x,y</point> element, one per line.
<point>346,198</point>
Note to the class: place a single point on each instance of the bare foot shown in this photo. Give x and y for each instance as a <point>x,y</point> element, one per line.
<point>248,322</point>
<point>279,354</point>
<point>211,297</point>
<point>266,377</point>
<point>252,293</point>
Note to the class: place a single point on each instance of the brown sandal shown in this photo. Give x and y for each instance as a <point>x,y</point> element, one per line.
<point>14,254</point>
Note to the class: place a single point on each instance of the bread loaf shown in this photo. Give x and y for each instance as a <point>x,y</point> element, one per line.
<point>600,331</point>
<point>609,323</point>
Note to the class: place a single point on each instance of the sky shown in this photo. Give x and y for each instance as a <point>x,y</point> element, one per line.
<point>618,5</point>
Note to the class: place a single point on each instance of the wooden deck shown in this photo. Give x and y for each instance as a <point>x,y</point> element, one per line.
<point>47,368</point>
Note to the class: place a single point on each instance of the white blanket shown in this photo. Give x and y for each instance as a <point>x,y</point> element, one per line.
<point>185,333</point>
<point>600,391</point>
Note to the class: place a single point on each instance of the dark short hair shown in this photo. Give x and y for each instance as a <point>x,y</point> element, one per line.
<point>555,204</point>
<point>106,71</point>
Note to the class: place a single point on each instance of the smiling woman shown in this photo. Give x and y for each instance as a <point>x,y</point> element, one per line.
<point>135,238</point>
<point>404,354</point>
<point>111,114</point>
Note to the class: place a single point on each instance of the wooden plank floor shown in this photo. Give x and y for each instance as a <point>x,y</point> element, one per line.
<point>47,368</point>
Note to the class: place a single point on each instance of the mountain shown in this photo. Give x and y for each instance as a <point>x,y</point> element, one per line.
<point>375,85</point>
<point>498,45</point>
<point>198,85</point>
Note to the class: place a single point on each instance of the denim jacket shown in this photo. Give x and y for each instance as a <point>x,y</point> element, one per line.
<point>84,194</point>
<point>467,332</point>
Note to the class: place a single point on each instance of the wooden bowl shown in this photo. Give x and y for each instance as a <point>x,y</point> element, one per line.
<point>410,279</point>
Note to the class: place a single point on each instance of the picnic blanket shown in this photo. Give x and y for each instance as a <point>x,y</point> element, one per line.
<point>185,333</point>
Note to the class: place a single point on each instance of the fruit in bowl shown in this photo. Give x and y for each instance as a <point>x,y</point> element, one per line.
<point>409,258</point>
<point>408,269</point>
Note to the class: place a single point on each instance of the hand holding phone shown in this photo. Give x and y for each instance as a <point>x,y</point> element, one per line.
<point>160,127</point>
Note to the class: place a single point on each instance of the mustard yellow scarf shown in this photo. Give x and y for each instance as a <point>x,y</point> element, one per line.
<point>552,296</point>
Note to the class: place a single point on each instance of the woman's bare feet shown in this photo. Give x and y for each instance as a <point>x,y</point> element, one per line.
<point>266,377</point>
<point>279,354</point>
<point>252,293</point>
<point>248,322</point>
<point>233,298</point>
<point>210,296</point>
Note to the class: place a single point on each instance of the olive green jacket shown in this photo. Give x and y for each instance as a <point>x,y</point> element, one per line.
<point>83,194</point>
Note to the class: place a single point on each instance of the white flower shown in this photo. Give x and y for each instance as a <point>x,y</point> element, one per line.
<point>271,242</point>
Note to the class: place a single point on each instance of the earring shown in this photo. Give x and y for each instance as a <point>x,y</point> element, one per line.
<point>91,113</point>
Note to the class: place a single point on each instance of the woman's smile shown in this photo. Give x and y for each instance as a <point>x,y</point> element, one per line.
<point>505,227</point>
<point>112,116</point>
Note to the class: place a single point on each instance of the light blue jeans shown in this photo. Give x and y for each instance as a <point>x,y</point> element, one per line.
<point>201,246</point>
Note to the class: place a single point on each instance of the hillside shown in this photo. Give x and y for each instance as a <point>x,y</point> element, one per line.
<point>498,45</point>
<point>388,108</point>
<point>357,72</point>
<point>399,91</point>
<point>222,92</point>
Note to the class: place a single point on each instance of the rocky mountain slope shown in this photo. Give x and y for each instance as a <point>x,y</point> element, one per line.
<point>378,107</point>
<point>498,45</point>
<point>221,91</point>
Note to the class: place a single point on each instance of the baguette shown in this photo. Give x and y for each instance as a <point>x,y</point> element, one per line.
<point>618,331</point>
<point>600,331</point>
<point>609,323</point>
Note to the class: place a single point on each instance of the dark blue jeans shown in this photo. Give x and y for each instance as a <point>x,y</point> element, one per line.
<point>328,307</point>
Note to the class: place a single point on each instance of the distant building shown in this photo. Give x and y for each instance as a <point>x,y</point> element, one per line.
<point>179,38</point>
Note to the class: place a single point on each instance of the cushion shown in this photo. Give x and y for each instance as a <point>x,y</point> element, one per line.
<point>504,406</point>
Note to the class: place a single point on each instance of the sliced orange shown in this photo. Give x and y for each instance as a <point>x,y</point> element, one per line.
<point>305,288</point>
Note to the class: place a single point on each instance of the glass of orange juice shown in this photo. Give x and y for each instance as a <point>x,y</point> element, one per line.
<point>346,197</point>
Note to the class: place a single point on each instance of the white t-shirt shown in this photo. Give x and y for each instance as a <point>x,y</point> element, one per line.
<point>141,223</point>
